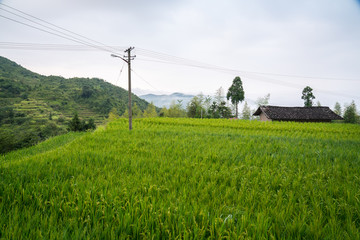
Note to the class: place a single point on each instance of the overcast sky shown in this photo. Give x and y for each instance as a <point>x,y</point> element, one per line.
<point>301,43</point>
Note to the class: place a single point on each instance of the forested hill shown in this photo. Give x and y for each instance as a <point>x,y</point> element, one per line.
<point>34,107</point>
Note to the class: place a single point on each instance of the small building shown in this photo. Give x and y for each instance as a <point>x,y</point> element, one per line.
<point>297,114</point>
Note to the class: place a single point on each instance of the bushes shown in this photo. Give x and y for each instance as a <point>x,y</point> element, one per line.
<point>76,125</point>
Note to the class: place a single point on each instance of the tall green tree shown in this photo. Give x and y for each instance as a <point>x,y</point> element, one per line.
<point>195,107</point>
<point>236,93</point>
<point>350,115</point>
<point>75,124</point>
<point>307,96</point>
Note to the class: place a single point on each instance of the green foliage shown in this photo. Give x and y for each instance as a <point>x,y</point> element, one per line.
<point>136,111</point>
<point>195,107</point>
<point>307,96</point>
<point>223,110</point>
<point>150,111</point>
<point>236,93</point>
<point>219,110</point>
<point>27,98</point>
<point>76,125</point>
<point>186,179</point>
<point>246,112</point>
<point>87,91</point>
<point>175,111</point>
<point>113,114</point>
<point>350,114</point>
<point>26,134</point>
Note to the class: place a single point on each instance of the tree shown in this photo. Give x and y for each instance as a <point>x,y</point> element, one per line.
<point>176,110</point>
<point>246,112</point>
<point>75,124</point>
<point>87,91</point>
<point>163,112</point>
<point>125,114</point>
<point>213,111</point>
<point>136,111</point>
<point>308,96</point>
<point>195,108</point>
<point>263,100</point>
<point>113,114</point>
<point>236,93</point>
<point>337,109</point>
<point>150,111</point>
<point>223,110</point>
<point>207,103</point>
<point>89,125</point>
<point>350,115</point>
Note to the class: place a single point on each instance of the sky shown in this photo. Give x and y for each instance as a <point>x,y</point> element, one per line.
<point>277,47</point>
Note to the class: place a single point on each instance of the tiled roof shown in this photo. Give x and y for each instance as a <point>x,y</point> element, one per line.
<point>298,113</point>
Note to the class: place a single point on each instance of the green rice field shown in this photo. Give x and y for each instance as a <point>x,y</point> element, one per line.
<point>186,179</point>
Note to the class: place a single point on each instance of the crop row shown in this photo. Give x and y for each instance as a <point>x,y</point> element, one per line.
<point>187,178</point>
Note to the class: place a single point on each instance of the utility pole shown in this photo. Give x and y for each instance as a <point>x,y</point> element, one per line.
<point>128,61</point>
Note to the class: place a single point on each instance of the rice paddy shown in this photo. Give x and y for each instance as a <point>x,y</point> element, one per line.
<point>186,179</point>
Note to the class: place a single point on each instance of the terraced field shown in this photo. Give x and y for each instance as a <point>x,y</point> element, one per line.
<point>186,178</point>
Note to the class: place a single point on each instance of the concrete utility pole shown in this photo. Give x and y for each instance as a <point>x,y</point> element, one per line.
<point>128,61</point>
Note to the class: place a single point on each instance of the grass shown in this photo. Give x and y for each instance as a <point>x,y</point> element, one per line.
<point>186,178</point>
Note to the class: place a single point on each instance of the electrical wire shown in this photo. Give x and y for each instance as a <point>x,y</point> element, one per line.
<point>148,54</point>
<point>53,29</point>
<point>166,58</point>
<point>143,79</point>
<point>51,47</point>
<point>118,78</point>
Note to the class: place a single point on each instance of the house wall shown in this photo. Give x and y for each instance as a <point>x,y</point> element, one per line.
<point>264,118</point>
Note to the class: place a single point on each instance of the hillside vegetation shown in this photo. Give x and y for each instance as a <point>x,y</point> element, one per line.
<point>186,178</point>
<point>34,107</point>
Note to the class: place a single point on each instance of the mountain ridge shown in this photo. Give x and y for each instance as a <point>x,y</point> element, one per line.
<point>34,107</point>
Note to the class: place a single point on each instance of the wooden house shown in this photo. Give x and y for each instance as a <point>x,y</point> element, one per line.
<point>297,114</point>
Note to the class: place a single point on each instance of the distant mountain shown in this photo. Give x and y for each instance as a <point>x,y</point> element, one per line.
<point>34,107</point>
<point>166,100</point>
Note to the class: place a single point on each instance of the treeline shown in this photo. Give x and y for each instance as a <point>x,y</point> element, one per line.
<point>200,106</point>
<point>350,113</point>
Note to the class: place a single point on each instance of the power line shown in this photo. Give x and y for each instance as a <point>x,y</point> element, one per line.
<point>51,30</point>
<point>166,58</point>
<point>143,79</point>
<point>63,31</point>
<point>43,30</point>
<point>53,47</point>
<point>118,78</point>
<point>148,54</point>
